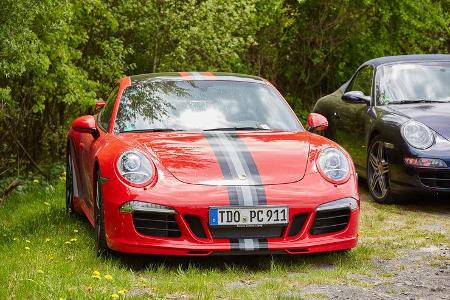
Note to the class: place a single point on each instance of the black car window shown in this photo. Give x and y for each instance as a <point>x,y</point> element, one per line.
<point>415,82</point>
<point>106,112</point>
<point>362,81</point>
<point>203,105</point>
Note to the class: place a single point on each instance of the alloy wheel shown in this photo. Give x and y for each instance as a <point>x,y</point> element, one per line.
<point>377,170</point>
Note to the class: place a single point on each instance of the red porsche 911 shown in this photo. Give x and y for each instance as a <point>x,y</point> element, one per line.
<point>209,163</point>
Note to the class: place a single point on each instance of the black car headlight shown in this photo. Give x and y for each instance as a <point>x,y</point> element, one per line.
<point>417,135</point>
<point>135,168</point>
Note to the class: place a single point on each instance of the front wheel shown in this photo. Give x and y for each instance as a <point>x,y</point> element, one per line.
<point>378,172</point>
<point>69,183</point>
<point>101,246</point>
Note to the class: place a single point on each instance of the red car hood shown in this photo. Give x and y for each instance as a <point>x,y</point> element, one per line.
<point>230,158</point>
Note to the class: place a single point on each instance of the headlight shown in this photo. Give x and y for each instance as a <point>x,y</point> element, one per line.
<point>135,167</point>
<point>417,135</point>
<point>333,165</point>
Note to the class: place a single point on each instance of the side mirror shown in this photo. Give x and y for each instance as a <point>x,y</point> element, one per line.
<point>99,103</point>
<point>317,122</point>
<point>356,97</point>
<point>86,124</point>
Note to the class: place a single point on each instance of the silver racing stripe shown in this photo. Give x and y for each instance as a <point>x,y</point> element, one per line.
<point>237,165</point>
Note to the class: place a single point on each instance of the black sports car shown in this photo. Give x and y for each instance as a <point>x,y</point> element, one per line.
<point>393,117</point>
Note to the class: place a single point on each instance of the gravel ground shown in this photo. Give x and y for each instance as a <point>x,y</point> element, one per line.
<point>422,273</point>
<point>416,274</point>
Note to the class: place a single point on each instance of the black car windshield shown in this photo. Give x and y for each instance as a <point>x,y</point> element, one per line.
<point>172,105</point>
<point>414,82</point>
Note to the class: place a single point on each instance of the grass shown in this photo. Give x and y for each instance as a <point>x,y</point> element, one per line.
<point>45,254</point>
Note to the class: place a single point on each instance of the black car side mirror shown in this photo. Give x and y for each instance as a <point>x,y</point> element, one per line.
<point>356,97</point>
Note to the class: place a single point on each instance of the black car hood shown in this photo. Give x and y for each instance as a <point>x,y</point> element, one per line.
<point>434,115</point>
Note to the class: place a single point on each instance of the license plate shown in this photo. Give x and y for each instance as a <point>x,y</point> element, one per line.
<point>248,216</point>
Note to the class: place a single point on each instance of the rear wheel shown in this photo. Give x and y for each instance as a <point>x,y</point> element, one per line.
<point>69,183</point>
<point>101,246</point>
<point>378,172</point>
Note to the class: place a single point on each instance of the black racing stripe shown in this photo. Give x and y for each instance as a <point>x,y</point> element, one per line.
<point>263,244</point>
<point>229,173</point>
<point>224,163</point>
<point>261,195</point>
<point>233,195</point>
<point>220,156</point>
<point>246,156</point>
<point>234,243</point>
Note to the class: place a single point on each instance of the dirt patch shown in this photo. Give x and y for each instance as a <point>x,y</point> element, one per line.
<point>415,274</point>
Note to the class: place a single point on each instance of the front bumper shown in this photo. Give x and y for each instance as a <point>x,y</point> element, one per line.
<point>408,179</point>
<point>302,198</point>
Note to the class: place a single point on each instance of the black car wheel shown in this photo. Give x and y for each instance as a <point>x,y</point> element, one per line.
<point>101,246</point>
<point>69,183</point>
<point>378,172</point>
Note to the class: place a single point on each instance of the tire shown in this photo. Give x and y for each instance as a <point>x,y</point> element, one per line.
<point>69,183</point>
<point>378,172</point>
<point>101,246</point>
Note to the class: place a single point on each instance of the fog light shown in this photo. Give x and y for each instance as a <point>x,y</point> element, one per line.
<point>133,206</point>
<point>425,162</point>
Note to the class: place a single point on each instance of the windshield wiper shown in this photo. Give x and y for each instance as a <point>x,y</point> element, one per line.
<point>236,128</point>
<point>418,101</point>
<point>151,130</point>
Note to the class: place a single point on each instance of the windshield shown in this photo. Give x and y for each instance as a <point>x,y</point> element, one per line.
<point>414,82</point>
<point>203,105</point>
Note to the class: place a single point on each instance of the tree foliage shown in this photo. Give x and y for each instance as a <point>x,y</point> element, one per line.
<point>56,57</point>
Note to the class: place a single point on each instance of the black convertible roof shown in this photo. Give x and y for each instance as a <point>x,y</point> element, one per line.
<point>407,58</point>
<point>195,76</point>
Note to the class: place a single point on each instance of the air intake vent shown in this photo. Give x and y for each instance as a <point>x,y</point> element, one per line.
<point>436,179</point>
<point>297,224</point>
<point>246,232</point>
<point>195,225</point>
<point>328,221</point>
<point>156,224</point>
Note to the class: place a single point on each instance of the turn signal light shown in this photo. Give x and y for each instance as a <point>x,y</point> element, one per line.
<point>425,162</point>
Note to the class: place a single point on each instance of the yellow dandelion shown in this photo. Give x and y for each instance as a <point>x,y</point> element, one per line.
<point>27,248</point>
<point>108,277</point>
<point>28,241</point>
<point>96,276</point>
<point>62,298</point>
<point>40,271</point>
<point>122,292</point>
<point>46,203</point>
<point>115,296</point>
<point>73,240</point>
<point>96,273</point>
<point>15,239</point>
<point>75,230</point>
<point>36,181</point>
<point>68,243</point>
<point>47,240</point>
